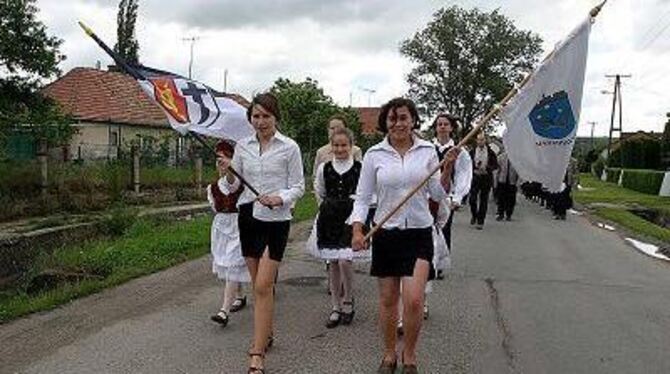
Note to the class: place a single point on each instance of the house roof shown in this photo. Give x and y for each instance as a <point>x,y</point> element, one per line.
<point>368,117</point>
<point>96,95</point>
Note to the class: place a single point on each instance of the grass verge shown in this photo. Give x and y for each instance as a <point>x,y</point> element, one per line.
<point>143,247</point>
<point>633,223</point>
<point>597,191</point>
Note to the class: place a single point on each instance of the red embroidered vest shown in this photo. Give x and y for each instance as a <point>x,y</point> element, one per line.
<point>225,203</point>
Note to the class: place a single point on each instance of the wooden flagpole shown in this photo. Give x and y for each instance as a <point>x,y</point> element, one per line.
<point>482,123</point>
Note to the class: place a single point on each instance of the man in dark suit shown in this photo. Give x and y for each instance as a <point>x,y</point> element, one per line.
<point>484,162</point>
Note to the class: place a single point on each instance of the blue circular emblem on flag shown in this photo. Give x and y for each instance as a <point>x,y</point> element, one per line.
<point>552,117</point>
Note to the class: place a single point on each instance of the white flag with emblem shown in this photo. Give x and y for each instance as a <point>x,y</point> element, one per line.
<point>193,106</point>
<point>541,120</point>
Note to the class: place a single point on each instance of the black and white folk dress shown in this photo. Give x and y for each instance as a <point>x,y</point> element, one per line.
<point>335,186</point>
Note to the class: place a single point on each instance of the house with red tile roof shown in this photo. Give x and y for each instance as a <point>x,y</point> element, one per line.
<point>110,110</point>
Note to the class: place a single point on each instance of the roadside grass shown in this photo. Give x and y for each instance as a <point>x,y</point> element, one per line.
<point>136,247</point>
<point>634,223</point>
<point>623,199</point>
<point>603,192</point>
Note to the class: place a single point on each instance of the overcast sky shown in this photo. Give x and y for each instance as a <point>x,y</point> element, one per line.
<point>351,47</point>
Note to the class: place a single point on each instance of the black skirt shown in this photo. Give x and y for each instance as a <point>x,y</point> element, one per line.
<point>256,235</point>
<point>395,251</point>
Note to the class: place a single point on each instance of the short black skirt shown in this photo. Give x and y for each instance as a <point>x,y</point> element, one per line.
<point>395,251</point>
<point>256,235</point>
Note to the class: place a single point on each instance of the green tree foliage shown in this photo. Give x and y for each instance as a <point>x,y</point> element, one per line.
<point>466,61</point>
<point>27,56</point>
<point>126,43</point>
<point>305,110</point>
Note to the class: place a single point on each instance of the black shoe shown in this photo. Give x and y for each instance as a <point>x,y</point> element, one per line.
<point>347,318</point>
<point>499,218</point>
<point>473,221</point>
<point>334,319</point>
<point>238,304</point>
<point>221,318</point>
<point>439,275</point>
<point>508,218</point>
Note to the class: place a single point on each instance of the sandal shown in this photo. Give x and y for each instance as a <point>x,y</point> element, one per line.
<point>221,318</point>
<point>238,304</point>
<point>334,319</point>
<point>256,369</point>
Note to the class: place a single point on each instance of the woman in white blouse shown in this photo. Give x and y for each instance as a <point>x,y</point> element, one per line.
<point>402,249</point>
<point>271,163</point>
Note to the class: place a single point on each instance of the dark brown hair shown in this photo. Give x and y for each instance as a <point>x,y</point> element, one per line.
<point>453,120</point>
<point>393,105</point>
<point>225,147</point>
<point>269,102</point>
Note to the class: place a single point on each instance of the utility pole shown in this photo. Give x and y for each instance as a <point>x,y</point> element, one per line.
<point>616,97</point>
<point>191,39</point>
<point>593,126</point>
<point>225,81</point>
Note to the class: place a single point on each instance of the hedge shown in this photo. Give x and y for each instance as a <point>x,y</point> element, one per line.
<point>645,181</point>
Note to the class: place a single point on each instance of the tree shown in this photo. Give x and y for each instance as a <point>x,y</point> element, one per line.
<point>305,110</point>
<point>126,43</point>
<point>466,61</point>
<point>28,55</point>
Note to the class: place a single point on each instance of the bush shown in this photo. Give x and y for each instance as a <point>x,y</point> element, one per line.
<point>613,175</point>
<point>118,221</point>
<point>645,181</point>
<point>637,153</point>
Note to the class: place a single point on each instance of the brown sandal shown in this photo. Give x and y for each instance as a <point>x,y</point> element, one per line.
<point>255,369</point>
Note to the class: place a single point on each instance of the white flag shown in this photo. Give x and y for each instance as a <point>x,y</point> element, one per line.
<point>193,106</point>
<point>542,118</point>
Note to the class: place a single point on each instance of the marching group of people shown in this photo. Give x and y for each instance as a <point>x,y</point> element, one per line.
<point>253,207</point>
<point>557,202</point>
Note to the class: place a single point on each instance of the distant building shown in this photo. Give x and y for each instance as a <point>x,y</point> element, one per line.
<point>368,117</point>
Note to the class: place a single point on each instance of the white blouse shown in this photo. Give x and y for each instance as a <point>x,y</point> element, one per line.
<point>277,171</point>
<point>392,176</point>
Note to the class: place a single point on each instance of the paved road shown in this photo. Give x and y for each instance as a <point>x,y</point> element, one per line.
<point>528,296</point>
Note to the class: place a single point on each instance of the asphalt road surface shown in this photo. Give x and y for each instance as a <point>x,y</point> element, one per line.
<point>528,296</point>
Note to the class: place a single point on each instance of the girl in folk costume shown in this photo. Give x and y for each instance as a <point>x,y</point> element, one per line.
<point>335,185</point>
<point>228,263</point>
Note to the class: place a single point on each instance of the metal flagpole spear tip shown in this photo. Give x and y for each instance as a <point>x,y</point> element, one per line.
<point>87,30</point>
<point>597,9</point>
